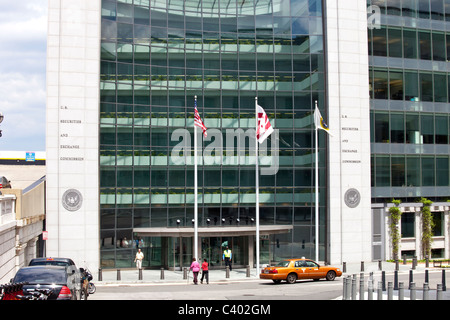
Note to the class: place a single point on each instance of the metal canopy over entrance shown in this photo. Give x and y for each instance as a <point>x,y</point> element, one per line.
<point>211,231</point>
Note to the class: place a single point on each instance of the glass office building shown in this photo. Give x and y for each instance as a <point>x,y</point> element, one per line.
<point>156,56</point>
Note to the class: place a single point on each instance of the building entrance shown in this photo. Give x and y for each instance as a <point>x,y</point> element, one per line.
<point>212,249</point>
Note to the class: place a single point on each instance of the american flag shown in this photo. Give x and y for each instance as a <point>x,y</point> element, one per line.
<point>198,121</point>
<point>264,128</point>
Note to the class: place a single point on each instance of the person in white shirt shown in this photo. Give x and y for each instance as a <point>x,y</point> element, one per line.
<point>138,259</point>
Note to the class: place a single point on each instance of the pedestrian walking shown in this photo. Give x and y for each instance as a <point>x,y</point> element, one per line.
<point>138,259</point>
<point>195,267</point>
<point>227,255</point>
<point>205,271</point>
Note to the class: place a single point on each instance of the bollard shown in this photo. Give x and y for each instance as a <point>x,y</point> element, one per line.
<point>140,274</point>
<point>118,274</point>
<point>401,291</point>
<point>426,277</point>
<point>439,292</point>
<point>344,289</point>
<point>380,290</point>
<point>396,280</point>
<point>383,280</point>
<point>354,288</point>
<point>248,272</point>
<point>361,288</point>
<point>379,265</point>
<point>410,278</point>
<point>362,266</point>
<point>414,263</point>
<point>227,272</point>
<point>349,287</point>
<point>371,280</point>
<point>344,267</point>
<point>426,292</point>
<point>404,259</point>
<point>390,291</point>
<point>444,287</point>
<point>100,276</point>
<point>162,274</point>
<point>370,290</point>
<point>412,293</point>
<point>184,273</point>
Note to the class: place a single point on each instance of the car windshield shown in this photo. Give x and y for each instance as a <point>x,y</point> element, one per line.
<point>41,276</point>
<point>283,263</point>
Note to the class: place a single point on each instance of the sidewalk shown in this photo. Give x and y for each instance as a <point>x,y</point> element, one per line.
<point>131,276</point>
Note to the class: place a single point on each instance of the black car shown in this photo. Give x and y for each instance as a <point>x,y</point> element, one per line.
<point>72,269</point>
<point>57,278</point>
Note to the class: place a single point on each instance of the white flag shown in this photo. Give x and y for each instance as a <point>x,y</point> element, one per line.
<point>264,128</point>
<point>319,122</point>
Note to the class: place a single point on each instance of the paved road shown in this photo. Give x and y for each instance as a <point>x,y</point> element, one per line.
<point>244,288</point>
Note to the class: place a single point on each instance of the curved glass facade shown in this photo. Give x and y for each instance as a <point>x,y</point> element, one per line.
<point>156,56</point>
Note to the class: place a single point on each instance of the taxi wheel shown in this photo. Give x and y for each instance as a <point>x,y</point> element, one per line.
<point>291,278</point>
<point>331,275</point>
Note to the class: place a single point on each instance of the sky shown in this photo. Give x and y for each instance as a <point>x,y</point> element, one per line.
<point>23,43</point>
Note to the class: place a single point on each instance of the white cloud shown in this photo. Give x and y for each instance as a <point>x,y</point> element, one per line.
<point>23,34</point>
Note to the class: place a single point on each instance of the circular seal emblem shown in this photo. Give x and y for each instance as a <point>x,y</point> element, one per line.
<point>72,200</point>
<point>352,198</point>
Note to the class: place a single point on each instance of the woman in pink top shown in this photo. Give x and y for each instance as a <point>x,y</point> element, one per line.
<point>195,267</point>
<point>205,271</point>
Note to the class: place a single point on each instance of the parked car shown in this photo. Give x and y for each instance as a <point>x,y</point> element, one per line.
<point>72,270</point>
<point>56,278</point>
<point>292,270</point>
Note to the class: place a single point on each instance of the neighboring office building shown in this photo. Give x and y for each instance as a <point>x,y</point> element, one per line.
<point>22,215</point>
<point>410,109</point>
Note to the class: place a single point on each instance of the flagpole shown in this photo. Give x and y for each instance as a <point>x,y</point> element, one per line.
<point>316,194</point>
<point>195,192</point>
<point>257,188</point>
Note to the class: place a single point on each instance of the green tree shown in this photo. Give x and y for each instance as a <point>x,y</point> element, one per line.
<point>427,227</point>
<point>395,215</point>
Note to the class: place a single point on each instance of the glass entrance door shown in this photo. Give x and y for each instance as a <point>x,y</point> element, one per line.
<point>213,247</point>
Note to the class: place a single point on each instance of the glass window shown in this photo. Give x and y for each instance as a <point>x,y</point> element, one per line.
<point>380,84</point>
<point>412,129</point>
<point>379,42</point>
<point>426,86</point>
<point>442,171</point>
<point>411,86</point>
<point>438,221</point>
<point>428,175</point>
<point>396,85</point>
<point>410,44</point>
<point>438,46</point>
<point>398,171</point>
<point>409,8</point>
<point>440,87</point>
<point>407,225</point>
<point>381,127</point>
<point>425,45</point>
<point>424,9</point>
<point>441,129</point>
<point>413,171</point>
<point>393,7</point>
<point>427,129</point>
<point>395,43</point>
<point>437,9</point>
<point>447,9</point>
<point>382,171</point>
<point>397,128</point>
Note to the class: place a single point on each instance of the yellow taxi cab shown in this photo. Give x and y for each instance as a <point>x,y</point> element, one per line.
<point>292,270</point>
